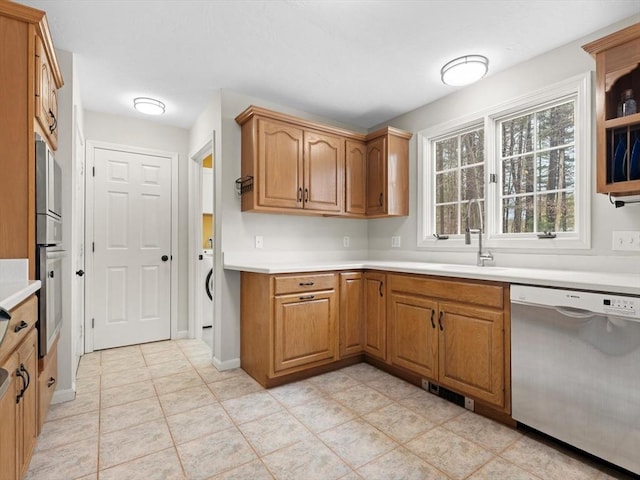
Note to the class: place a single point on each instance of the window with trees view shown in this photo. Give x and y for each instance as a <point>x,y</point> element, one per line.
<point>528,165</point>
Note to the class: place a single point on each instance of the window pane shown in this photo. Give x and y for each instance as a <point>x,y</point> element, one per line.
<point>556,169</point>
<point>447,154</point>
<point>556,212</point>
<point>517,214</point>
<point>556,126</point>
<point>517,175</point>
<point>447,219</point>
<point>472,146</point>
<point>472,182</point>
<point>447,187</point>
<point>517,136</point>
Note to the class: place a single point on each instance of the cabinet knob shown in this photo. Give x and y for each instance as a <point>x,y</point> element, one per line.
<point>80,273</point>
<point>164,258</point>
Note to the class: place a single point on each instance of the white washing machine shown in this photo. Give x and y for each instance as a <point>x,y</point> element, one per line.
<point>207,286</point>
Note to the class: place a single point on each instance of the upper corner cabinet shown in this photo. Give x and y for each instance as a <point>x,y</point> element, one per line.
<point>387,166</point>
<point>617,59</point>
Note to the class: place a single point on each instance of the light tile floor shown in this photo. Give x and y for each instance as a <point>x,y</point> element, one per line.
<point>161,411</point>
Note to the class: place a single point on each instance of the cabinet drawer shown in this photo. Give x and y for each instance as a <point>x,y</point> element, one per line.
<point>26,312</point>
<point>47,382</point>
<point>459,290</point>
<point>304,283</point>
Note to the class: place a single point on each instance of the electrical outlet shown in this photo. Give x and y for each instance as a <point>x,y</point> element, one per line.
<point>425,384</point>
<point>629,241</point>
<point>469,404</point>
<point>259,241</point>
<point>395,242</point>
<point>345,241</point>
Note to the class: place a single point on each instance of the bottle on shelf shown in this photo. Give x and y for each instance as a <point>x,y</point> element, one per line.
<point>627,105</point>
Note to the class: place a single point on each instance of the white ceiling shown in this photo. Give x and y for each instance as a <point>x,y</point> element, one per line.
<point>361,62</point>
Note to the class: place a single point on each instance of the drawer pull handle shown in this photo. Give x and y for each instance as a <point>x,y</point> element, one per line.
<point>440,320</point>
<point>306,195</point>
<point>381,198</point>
<point>306,284</point>
<point>51,382</point>
<point>24,382</point>
<point>433,325</point>
<point>380,288</point>
<point>54,123</point>
<point>300,194</point>
<point>307,297</point>
<point>20,326</point>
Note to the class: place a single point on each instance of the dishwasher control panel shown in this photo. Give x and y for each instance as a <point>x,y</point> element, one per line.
<point>626,306</point>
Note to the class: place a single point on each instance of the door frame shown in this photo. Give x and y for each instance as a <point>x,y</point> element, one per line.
<point>91,147</point>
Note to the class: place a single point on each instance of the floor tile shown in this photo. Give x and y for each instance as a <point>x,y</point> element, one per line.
<point>110,397</point>
<point>234,387</point>
<point>362,399</point>
<point>113,354</point>
<point>274,432</point>
<point>186,399</point>
<point>487,433</point>
<point>93,358</point>
<point>130,443</point>
<point>363,372</point>
<point>156,347</point>
<point>449,452</point>
<point>203,360</point>
<point>334,381</point>
<point>308,460</point>
<point>547,462</point>
<point>322,414</point>
<point>163,465</point>
<point>68,430</point>
<point>351,476</point>
<point>93,476</point>
<point>90,370</point>
<point>175,367</point>
<point>500,468</point>
<point>394,388</point>
<point>129,414</point>
<point>174,383</point>
<point>251,406</point>
<point>72,460</point>
<point>297,393</point>
<point>434,408</point>
<point>214,454</point>
<point>400,464</point>
<point>211,374</point>
<point>83,403</point>
<point>125,377</point>
<point>198,422</point>
<point>357,442</point>
<point>87,385</point>
<point>166,356</point>
<point>249,471</point>
<point>400,423</point>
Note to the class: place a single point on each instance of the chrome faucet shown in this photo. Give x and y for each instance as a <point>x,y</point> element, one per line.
<point>482,256</point>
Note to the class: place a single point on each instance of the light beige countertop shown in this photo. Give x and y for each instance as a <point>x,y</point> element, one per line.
<point>623,283</point>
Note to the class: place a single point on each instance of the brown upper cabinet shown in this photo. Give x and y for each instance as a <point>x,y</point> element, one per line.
<point>30,74</point>
<point>303,167</point>
<point>618,125</point>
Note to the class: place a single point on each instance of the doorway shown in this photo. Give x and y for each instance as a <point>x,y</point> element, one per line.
<point>132,234</point>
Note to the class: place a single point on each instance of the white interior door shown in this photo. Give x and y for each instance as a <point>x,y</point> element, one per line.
<point>132,248</point>
<point>78,260</point>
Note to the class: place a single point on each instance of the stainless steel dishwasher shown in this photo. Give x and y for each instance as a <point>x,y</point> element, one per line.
<point>575,360</point>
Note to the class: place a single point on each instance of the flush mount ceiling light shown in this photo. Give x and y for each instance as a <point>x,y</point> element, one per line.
<point>150,106</point>
<point>464,70</point>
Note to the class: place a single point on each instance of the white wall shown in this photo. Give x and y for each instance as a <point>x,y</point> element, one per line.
<point>145,134</point>
<point>539,72</point>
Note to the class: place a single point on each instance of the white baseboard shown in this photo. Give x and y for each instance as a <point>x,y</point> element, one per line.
<point>226,365</point>
<point>61,396</point>
<point>181,334</point>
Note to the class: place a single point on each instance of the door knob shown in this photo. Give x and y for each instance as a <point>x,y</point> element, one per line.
<point>80,273</point>
<point>164,258</point>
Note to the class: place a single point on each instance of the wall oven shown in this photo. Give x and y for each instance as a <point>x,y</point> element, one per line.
<point>49,253</point>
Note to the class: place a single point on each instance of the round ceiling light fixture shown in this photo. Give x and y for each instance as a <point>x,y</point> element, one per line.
<point>464,70</point>
<point>147,105</point>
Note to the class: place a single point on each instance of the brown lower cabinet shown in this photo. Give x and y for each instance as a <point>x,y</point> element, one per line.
<point>19,405</point>
<point>452,332</point>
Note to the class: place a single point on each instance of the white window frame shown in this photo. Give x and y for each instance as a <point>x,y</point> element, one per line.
<point>565,242</point>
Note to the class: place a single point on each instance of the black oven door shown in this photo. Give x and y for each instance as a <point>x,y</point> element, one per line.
<point>50,296</point>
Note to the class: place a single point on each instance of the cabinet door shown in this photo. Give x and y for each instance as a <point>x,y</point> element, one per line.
<point>323,172</point>
<point>8,422</point>
<point>413,334</point>
<point>472,351</point>
<point>375,324</point>
<point>351,313</point>
<point>28,405</point>
<point>53,115</point>
<point>376,176</point>
<point>43,86</point>
<point>356,178</point>
<point>304,330</point>
<point>279,165</point>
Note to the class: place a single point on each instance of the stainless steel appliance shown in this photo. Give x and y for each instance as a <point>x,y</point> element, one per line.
<point>575,369</point>
<point>48,239</point>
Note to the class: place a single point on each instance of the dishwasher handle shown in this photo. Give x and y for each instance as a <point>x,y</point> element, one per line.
<point>575,312</point>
